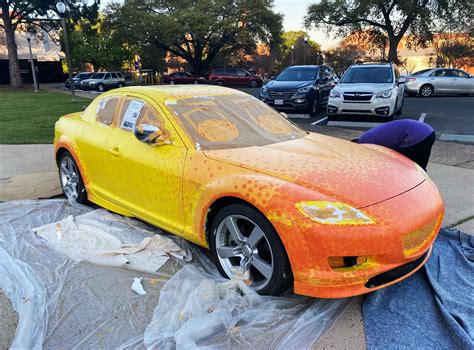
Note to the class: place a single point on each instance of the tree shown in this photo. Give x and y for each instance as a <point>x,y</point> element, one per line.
<point>341,57</point>
<point>394,18</point>
<point>91,43</point>
<point>303,53</point>
<point>197,31</point>
<point>455,50</point>
<point>15,13</point>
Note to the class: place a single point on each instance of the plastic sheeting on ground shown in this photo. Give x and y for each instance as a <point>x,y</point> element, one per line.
<point>433,309</point>
<point>71,303</point>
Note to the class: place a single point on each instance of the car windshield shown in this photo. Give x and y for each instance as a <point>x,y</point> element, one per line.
<point>97,76</point>
<point>298,74</point>
<point>372,75</point>
<point>231,121</point>
<point>82,75</point>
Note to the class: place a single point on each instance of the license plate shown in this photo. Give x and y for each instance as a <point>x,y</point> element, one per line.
<point>278,102</point>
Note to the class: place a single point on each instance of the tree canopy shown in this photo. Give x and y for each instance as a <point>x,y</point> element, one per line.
<point>196,31</point>
<point>392,18</point>
<point>303,53</point>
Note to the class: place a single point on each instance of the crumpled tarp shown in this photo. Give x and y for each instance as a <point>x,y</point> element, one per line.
<point>64,300</point>
<point>434,308</point>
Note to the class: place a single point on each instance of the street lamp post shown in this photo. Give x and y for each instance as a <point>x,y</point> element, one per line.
<point>292,54</point>
<point>33,71</point>
<point>61,7</point>
<point>304,51</point>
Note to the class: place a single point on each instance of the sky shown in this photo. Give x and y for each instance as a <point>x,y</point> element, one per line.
<point>293,12</point>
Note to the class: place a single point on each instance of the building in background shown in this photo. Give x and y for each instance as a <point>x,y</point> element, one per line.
<point>47,56</point>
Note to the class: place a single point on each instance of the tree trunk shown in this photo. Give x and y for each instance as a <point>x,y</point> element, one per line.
<point>393,42</point>
<point>13,63</point>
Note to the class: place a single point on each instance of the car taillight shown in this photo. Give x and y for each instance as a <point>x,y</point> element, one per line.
<point>410,79</point>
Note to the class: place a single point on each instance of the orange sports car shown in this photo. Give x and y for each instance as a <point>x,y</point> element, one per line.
<point>222,169</point>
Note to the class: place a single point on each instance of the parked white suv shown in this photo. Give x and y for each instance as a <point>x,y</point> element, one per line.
<point>368,89</point>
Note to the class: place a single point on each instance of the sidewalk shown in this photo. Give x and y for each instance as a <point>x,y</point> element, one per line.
<point>452,169</point>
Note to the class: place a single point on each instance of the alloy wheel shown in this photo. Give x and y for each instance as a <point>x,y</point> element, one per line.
<point>69,178</point>
<point>241,243</point>
<point>426,91</point>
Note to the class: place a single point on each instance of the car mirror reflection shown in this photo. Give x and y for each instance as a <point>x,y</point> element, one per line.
<point>151,135</point>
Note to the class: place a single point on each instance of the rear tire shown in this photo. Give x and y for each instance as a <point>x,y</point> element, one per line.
<point>426,90</point>
<point>101,88</point>
<point>220,82</point>
<point>71,179</point>
<point>242,236</point>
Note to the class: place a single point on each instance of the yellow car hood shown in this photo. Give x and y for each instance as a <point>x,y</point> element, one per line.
<point>360,175</point>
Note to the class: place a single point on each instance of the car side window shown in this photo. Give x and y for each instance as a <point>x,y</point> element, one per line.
<point>135,112</point>
<point>460,74</point>
<point>230,72</point>
<point>439,73</point>
<point>218,72</point>
<point>241,73</point>
<point>114,75</point>
<point>105,110</point>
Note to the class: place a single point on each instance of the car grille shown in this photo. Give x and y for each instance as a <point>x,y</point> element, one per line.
<point>415,241</point>
<point>356,111</point>
<point>358,96</point>
<point>284,95</point>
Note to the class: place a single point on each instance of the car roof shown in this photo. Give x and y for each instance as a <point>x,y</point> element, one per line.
<point>370,65</point>
<point>303,66</point>
<point>162,92</point>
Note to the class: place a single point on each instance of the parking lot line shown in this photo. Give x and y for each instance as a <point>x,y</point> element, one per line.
<point>299,116</point>
<point>354,124</point>
<point>319,121</point>
<point>422,117</point>
<point>453,137</point>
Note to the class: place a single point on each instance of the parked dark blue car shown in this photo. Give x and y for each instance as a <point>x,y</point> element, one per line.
<point>299,89</point>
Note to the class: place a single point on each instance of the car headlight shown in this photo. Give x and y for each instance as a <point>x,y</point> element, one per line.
<point>333,213</point>
<point>305,88</point>
<point>264,89</point>
<point>384,94</point>
<point>334,94</point>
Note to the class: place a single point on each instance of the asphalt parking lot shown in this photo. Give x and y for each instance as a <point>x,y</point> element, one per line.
<point>452,117</point>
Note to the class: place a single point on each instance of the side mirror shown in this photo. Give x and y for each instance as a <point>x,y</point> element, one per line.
<point>401,80</point>
<point>272,77</point>
<point>336,80</point>
<point>151,135</point>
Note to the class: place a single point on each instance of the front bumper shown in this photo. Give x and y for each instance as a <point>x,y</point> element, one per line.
<point>382,107</point>
<point>299,103</point>
<point>392,249</point>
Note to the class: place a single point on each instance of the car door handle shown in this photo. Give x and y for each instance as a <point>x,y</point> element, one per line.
<point>115,151</point>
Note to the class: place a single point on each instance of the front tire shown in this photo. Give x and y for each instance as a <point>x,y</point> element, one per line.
<point>101,88</point>
<point>71,179</point>
<point>242,237</point>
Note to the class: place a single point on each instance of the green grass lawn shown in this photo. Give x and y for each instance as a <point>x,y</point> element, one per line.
<point>28,117</point>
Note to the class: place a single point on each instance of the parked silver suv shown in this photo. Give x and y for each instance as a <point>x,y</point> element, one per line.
<point>368,89</point>
<point>102,81</point>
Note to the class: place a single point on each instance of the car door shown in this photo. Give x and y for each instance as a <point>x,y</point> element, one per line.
<point>324,83</point>
<point>462,82</point>
<point>115,79</point>
<point>91,145</point>
<point>441,81</point>
<point>147,179</point>
<point>242,77</point>
<point>231,76</point>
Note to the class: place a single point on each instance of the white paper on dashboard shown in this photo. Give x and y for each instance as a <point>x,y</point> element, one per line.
<point>131,114</point>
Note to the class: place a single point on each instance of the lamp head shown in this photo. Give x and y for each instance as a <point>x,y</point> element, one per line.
<point>61,7</point>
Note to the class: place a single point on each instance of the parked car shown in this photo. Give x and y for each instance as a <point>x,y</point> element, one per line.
<point>226,171</point>
<point>102,81</point>
<point>439,81</point>
<point>78,78</point>
<point>183,78</point>
<point>300,89</point>
<point>368,89</point>
<point>234,76</point>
